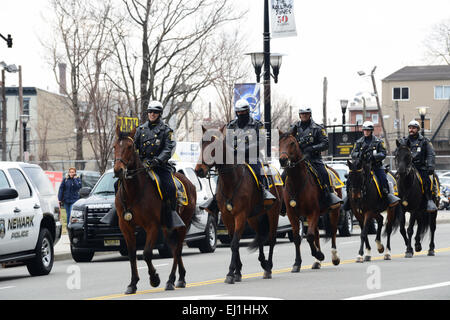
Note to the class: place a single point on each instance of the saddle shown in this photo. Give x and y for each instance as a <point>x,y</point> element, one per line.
<point>335,182</point>
<point>182,198</point>
<point>434,186</point>
<point>271,174</point>
<point>392,182</point>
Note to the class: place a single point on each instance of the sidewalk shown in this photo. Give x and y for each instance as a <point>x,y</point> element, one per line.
<point>62,248</point>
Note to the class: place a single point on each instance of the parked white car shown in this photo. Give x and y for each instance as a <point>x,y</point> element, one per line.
<point>29,217</point>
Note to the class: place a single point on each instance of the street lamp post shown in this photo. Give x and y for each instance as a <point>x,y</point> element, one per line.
<point>265,59</point>
<point>422,114</point>
<point>25,118</point>
<point>344,104</point>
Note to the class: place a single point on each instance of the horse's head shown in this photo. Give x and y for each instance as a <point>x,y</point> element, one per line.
<point>403,157</point>
<point>125,156</point>
<point>211,150</point>
<point>355,177</point>
<point>289,149</point>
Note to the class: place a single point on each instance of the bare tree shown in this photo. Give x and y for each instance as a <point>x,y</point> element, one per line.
<point>438,42</point>
<point>175,48</point>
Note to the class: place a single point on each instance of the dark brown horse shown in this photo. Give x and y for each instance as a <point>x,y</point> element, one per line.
<point>302,197</point>
<point>367,204</point>
<point>139,196</point>
<point>239,200</point>
<point>413,200</point>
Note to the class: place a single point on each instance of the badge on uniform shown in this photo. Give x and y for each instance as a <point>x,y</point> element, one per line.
<point>158,142</point>
<point>324,132</point>
<point>418,149</point>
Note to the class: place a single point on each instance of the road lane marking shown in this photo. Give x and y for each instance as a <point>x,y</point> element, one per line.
<point>2,288</point>
<point>258,274</point>
<point>399,291</point>
<point>155,266</point>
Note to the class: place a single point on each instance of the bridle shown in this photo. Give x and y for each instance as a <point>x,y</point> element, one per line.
<point>128,173</point>
<point>290,163</point>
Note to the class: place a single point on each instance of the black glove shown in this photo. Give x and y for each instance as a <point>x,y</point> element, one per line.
<point>308,149</point>
<point>156,162</point>
<point>430,171</point>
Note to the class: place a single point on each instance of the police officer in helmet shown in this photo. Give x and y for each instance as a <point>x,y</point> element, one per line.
<point>423,158</point>
<point>313,140</point>
<point>155,143</point>
<point>370,148</point>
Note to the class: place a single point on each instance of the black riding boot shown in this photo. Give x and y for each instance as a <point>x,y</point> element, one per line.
<point>332,199</point>
<point>110,218</point>
<point>431,206</point>
<point>390,198</point>
<point>268,197</point>
<point>171,219</point>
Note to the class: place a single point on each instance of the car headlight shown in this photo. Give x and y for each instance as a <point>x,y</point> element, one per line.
<point>76,216</point>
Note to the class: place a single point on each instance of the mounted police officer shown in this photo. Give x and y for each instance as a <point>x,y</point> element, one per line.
<point>155,143</point>
<point>370,148</point>
<point>313,139</point>
<point>423,158</point>
<point>244,135</point>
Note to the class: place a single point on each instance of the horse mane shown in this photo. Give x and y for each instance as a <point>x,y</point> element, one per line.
<point>123,135</point>
<point>285,135</point>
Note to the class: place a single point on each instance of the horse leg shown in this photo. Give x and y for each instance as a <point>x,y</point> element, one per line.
<point>173,242</point>
<point>151,237</point>
<point>419,231</point>
<point>364,240</point>
<point>379,219</point>
<point>130,239</point>
<point>311,238</point>
<point>389,224</point>
<point>181,283</point>
<point>410,231</point>
<point>432,216</point>
<point>297,237</point>
<point>403,229</point>
<point>234,246</point>
<point>334,220</point>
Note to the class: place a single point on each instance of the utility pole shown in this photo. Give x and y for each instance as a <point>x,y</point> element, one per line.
<point>397,119</point>
<point>21,132</point>
<point>380,112</point>
<point>325,89</point>
<point>3,116</point>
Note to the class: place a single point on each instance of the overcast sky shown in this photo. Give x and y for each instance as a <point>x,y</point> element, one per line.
<point>335,40</point>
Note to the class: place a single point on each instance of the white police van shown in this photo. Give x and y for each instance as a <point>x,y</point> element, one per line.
<point>29,217</point>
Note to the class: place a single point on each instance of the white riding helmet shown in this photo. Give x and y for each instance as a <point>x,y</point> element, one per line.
<point>367,125</point>
<point>155,106</point>
<point>304,110</point>
<point>414,123</point>
<point>242,105</point>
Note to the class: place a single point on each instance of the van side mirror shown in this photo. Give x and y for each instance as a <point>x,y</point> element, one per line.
<point>84,192</point>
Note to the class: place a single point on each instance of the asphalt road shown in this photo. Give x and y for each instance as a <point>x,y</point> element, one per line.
<point>106,277</point>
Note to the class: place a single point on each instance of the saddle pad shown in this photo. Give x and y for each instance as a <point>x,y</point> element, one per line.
<point>253,174</point>
<point>335,181</point>
<point>180,188</point>
<point>272,175</point>
<point>392,183</point>
<point>375,179</point>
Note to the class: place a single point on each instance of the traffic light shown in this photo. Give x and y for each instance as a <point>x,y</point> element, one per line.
<point>9,40</point>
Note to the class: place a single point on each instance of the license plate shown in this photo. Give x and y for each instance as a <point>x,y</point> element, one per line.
<point>222,231</point>
<point>111,243</point>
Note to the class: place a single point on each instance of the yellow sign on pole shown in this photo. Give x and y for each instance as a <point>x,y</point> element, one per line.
<point>127,123</point>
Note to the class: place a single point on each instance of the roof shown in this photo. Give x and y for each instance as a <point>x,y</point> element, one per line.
<point>420,73</point>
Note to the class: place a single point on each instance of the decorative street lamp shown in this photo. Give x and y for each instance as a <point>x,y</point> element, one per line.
<point>264,60</point>
<point>422,114</point>
<point>344,104</point>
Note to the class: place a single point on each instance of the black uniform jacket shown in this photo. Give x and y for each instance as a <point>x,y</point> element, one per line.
<point>313,135</point>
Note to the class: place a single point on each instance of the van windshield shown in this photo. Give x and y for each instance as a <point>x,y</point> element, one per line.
<point>106,184</point>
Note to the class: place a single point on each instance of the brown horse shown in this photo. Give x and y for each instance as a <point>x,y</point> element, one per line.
<point>367,204</point>
<point>302,197</point>
<point>139,196</point>
<point>239,200</point>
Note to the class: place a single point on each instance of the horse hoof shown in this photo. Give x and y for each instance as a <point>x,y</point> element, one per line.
<point>229,279</point>
<point>237,277</point>
<point>381,249</point>
<point>169,286</point>
<point>367,258</point>
<point>336,261</point>
<point>431,253</point>
<point>408,255</point>
<point>316,265</point>
<point>154,280</point>
<point>131,290</point>
<point>295,269</point>
<point>359,259</point>
<point>418,247</point>
<point>320,256</point>
<point>387,256</point>
<point>267,275</point>
<point>181,284</point>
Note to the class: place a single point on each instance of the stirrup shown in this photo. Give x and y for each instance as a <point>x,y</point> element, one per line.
<point>333,200</point>
<point>268,197</point>
<point>392,200</point>
<point>176,220</point>
<point>431,206</point>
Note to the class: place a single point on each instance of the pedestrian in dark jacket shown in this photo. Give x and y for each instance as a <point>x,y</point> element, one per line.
<point>69,191</point>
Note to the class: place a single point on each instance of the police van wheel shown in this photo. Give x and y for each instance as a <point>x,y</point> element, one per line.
<point>42,263</point>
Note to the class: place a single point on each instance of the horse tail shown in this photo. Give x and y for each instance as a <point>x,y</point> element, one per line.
<point>263,232</point>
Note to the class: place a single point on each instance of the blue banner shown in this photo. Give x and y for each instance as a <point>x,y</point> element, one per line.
<point>250,92</point>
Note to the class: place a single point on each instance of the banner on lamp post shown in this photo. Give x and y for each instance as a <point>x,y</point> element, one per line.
<point>283,19</point>
<point>250,92</point>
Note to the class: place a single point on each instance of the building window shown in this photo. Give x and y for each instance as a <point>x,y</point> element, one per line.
<point>359,119</point>
<point>442,92</point>
<point>426,123</point>
<point>375,118</point>
<point>400,93</point>
<point>26,106</point>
